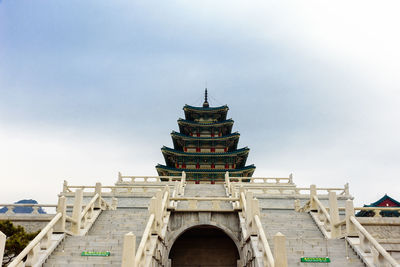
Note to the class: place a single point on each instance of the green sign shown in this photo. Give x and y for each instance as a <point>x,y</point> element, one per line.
<point>312,259</point>
<point>96,253</point>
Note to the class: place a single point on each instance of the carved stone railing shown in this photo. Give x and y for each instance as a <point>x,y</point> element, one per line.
<point>267,185</point>
<point>35,208</point>
<point>152,250</point>
<point>80,222</point>
<point>377,210</point>
<point>146,179</point>
<point>261,180</point>
<point>328,220</point>
<point>41,241</point>
<point>253,227</point>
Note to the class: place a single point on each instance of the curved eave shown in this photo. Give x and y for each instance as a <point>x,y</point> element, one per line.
<point>238,152</point>
<point>194,138</point>
<point>182,122</point>
<point>203,109</point>
<point>247,168</point>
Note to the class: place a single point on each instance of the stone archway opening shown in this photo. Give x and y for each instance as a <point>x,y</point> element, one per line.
<point>202,246</point>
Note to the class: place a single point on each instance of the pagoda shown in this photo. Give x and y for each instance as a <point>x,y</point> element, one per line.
<point>205,147</point>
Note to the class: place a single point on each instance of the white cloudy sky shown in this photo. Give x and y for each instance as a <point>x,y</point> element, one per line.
<point>90,88</point>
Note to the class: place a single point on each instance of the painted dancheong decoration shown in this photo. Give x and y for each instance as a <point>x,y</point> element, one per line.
<point>205,147</point>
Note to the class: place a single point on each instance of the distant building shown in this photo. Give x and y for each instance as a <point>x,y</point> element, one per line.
<point>385,201</point>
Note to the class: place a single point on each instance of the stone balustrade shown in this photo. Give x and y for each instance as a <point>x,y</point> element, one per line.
<point>146,179</point>
<point>153,235</point>
<point>35,208</point>
<point>51,235</point>
<point>327,218</point>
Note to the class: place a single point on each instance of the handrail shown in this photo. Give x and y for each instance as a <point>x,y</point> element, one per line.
<point>373,241</point>
<point>29,205</point>
<point>35,241</point>
<point>267,249</point>
<point>89,205</point>
<point>243,200</point>
<point>322,208</point>
<point>145,237</point>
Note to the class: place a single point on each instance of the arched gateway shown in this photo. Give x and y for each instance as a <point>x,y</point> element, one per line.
<point>203,245</point>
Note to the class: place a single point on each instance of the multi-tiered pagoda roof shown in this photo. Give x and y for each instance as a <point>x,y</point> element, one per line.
<point>205,147</point>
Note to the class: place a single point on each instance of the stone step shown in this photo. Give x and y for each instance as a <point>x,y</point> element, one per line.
<point>106,234</point>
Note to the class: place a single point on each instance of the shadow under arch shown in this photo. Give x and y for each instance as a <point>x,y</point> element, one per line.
<point>204,245</point>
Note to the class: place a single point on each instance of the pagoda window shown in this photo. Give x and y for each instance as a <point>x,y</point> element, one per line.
<point>185,149</point>
<point>212,165</point>
<point>233,165</point>
<point>177,165</point>
<point>183,165</point>
<point>198,149</point>
<point>212,149</point>
<point>197,166</point>
<point>225,149</point>
<point>226,165</point>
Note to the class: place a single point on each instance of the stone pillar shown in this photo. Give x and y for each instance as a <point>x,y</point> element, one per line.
<point>65,186</point>
<point>129,249</point>
<point>2,245</point>
<point>76,212</point>
<point>334,214</point>
<point>280,250</point>
<point>313,192</point>
<point>350,228</point>
<point>59,227</point>
<point>291,178</point>
<point>97,190</point>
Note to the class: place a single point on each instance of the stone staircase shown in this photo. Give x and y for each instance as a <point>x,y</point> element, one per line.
<point>205,190</point>
<point>304,239</point>
<point>106,234</point>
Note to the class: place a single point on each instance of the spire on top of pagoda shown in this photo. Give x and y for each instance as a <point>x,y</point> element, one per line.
<point>205,104</point>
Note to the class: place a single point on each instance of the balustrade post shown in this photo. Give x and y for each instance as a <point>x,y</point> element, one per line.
<point>378,258</point>
<point>59,227</point>
<point>255,211</point>
<point>313,193</point>
<point>377,213</point>
<point>154,209</point>
<point>364,243</point>
<point>65,186</point>
<point>76,212</point>
<point>280,255</point>
<point>334,214</point>
<point>114,203</point>
<point>183,179</point>
<point>2,245</point>
<point>346,190</point>
<point>129,248</point>
<point>97,190</point>
<point>291,178</point>
<point>119,177</point>
<point>350,228</point>
<point>46,240</point>
<point>10,210</point>
<point>33,256</point>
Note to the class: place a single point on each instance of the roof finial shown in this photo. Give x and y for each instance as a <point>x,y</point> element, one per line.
<point>205,104</point>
